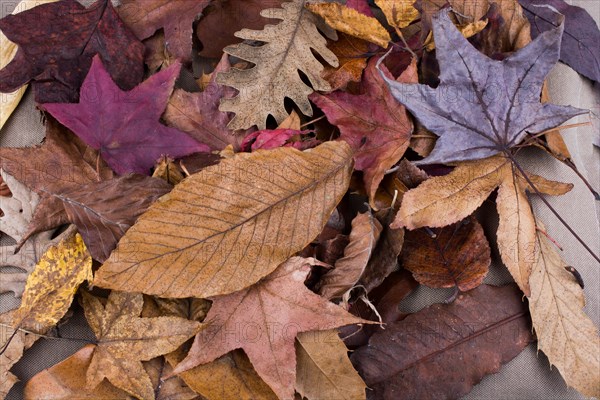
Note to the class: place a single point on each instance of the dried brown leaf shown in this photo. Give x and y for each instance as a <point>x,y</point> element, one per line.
<point>323,368</point>
<point>443,200</point>
<point>125,339</point>
<point>264,320</point>
<point>290,46</point>
<point>66,380</point>
<point>348,269</point>
<point>229,225</point>
<point>565,333</point>
<point>352,22</point>
<point>458,255</point>
<point>443,350</point>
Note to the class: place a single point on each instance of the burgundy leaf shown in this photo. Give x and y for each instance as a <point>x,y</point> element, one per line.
<point>57,42</point>
<point>443,350</point>
<point>124,126</point>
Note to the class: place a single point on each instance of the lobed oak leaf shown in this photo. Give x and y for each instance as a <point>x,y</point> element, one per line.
<point>176,17</point>
<point>53,283</point>
<point>444,200</point>
<point>323,369</point>
<point>124,126</point>
<point>565,333</point>
<point>290,46</point>
<point>443,350</point>
<point>125,340</point>
<point>482,106</point>
<point>375,125</point>
<point>17,207</point>
<point>198,114</point>
<point>57,42</point>
<point>231,224</point>
<point>104,211</point>
<point>18,213</point>
<point>264,321</point>
<point>66,380</point>
<point>458,256</point>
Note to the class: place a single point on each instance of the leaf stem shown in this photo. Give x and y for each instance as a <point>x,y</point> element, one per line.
<point>562,221</point>
<point>407,47</point>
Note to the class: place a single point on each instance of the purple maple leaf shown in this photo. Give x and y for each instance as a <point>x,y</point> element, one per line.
<point>125,126</point>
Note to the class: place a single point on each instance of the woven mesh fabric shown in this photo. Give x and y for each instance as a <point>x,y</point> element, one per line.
<point>529,375</point>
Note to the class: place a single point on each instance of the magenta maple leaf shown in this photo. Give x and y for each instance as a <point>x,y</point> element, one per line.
<point>125,126</point>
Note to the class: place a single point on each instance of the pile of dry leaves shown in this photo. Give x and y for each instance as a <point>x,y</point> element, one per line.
<point>249,233</point>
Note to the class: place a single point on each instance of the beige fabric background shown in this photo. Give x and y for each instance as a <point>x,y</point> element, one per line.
<point>528,376</point>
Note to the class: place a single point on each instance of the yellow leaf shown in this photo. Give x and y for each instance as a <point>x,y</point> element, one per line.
<point>399,13</point>
<point>323,368</point>
<point>53,283</point>
<point>352,22</point>
<point>8,49</point>
<point>565,333</point>
<point>467,30</point>
<point>229,225</point>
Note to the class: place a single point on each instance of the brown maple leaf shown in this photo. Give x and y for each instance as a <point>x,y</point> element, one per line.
<point>264,320</point>
<point>125,339</point>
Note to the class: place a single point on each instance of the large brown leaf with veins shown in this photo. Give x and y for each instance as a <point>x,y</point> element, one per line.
<point>264,320</point>
<point>231,224</point>
<point>443,350</point>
